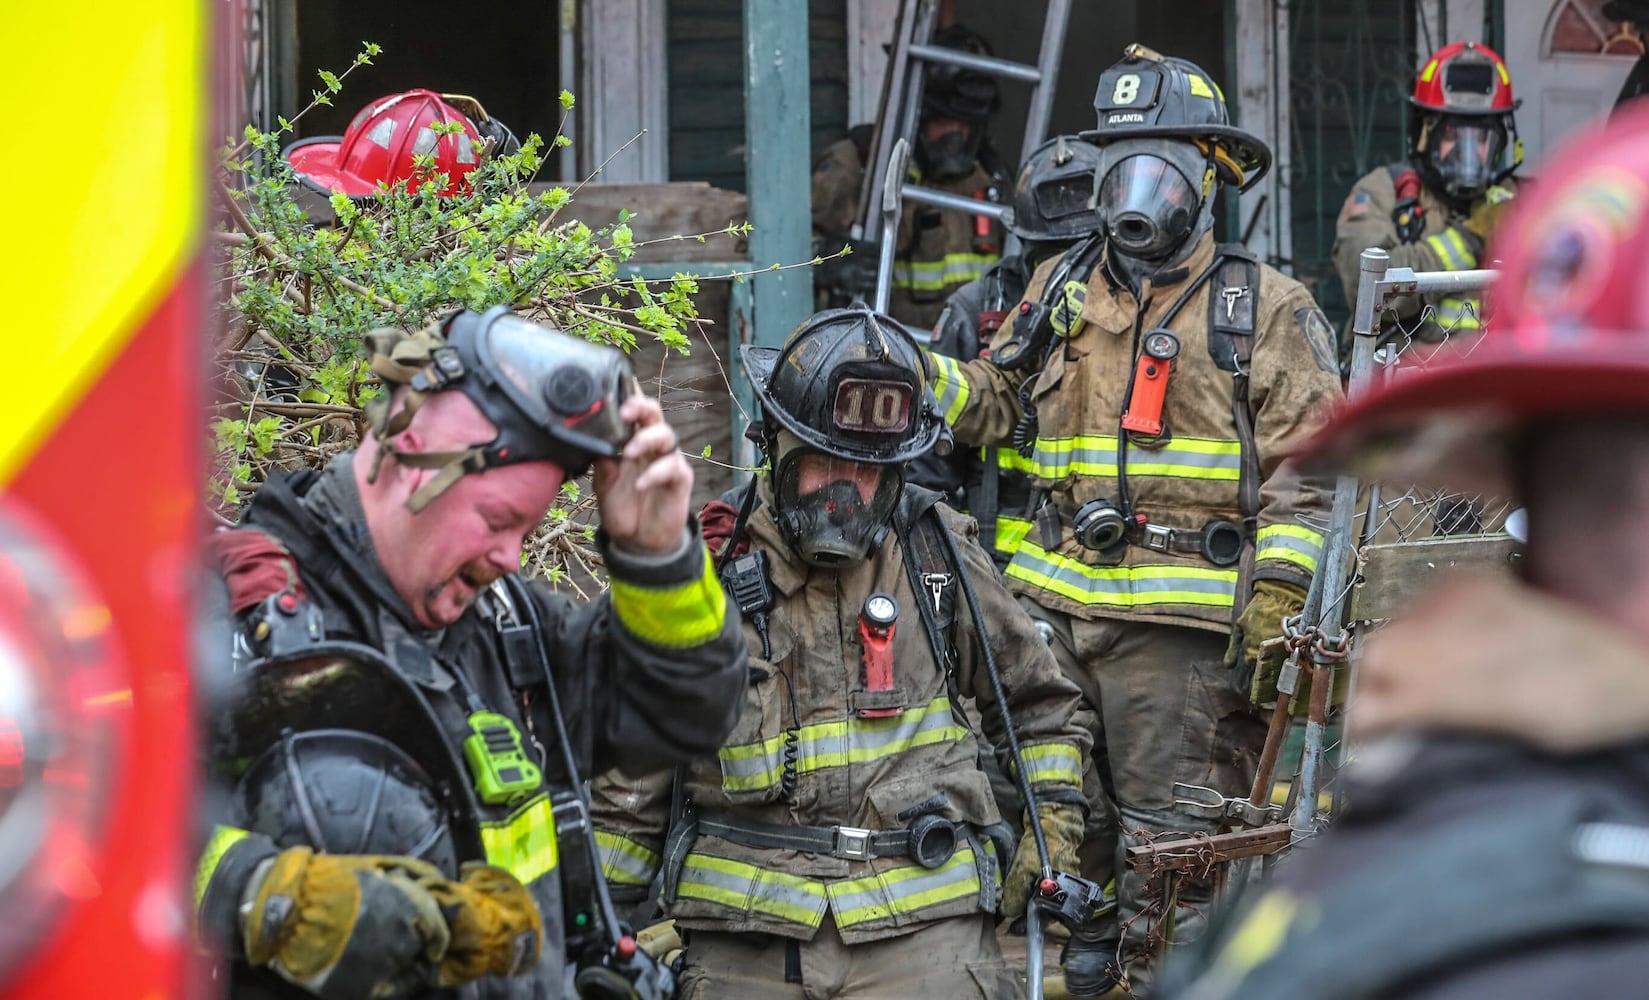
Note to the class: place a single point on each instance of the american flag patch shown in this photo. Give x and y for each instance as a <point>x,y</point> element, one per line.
<point>1355,205</point>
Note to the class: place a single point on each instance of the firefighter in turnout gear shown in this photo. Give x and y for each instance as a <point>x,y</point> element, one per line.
<point>843,842</point>
<point>1435,210</point>
<point>939,250</point>
<point>1497,843</point>
<point>1051,211</point>
<point>1159,566</point>
<point>407,746</point>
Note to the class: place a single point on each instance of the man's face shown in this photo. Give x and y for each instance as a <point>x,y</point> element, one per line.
<point>439,559</point>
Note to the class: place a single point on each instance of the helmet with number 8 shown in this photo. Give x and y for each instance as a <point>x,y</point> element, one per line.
<point>845,404</point>
<point>1165,140</point>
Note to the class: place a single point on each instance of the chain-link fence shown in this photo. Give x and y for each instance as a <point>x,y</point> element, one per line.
<point>1384,544</point>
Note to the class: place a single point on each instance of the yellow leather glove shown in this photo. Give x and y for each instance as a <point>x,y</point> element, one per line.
<point>1485,212</point>
<point>496,927</point>
<point>342,925</point>
<point>1062,829</point>
<point>1262,619</point>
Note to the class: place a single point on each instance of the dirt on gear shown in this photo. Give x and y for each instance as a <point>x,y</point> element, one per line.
<point>1053,196</point>
<point>1464,138</point>
<point>553,397</point>
<point>381,146</point>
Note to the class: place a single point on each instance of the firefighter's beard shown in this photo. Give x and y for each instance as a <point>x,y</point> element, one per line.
<point>461,588</point>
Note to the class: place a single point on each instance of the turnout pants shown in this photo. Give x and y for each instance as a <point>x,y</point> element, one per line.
<point>955,959</point>
<point>1162,708</point>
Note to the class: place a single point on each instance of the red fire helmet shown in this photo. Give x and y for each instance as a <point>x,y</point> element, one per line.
<point>1567,330</point>
<point>1465,78</point>
<point>380,144</point>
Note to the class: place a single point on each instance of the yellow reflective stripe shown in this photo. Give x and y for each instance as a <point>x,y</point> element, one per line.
<point>1010,460</point>
<point>904,890</point>
<point>1259,937</point>
<point>821,745</point>
<point>1457,314</point>
<point>91,267</point>
<point>523,844</point>
<point>624,861</point>
<point>223,838</point>
<point>1293,543</point>
<point>1052,762</point>
<point>749,889</point>
<point>1095,455</point>
<point>950,386</point>
<point>1451,249</point>
<point>1122,586</point>
<point>1010,531</point>
<point>932,275</point>
<point>675,617</point>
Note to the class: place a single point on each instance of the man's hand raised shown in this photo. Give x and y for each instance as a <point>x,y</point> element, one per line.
<point>643,494</point>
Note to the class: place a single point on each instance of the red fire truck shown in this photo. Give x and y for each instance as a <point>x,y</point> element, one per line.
<point>99,431</point>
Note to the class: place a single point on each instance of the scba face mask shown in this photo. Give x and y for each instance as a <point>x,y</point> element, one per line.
<point>1466,154</point>
<point>833,511</point>
<point>1152,195</point>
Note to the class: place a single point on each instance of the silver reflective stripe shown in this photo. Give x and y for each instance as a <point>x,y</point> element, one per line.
<point>904,890</point>
<point>625,861</point>
<point>837,744</point>
<point>746,888</point>
<point>1616,844</point>
<point>1312,551</point>
<point>1122,586</point>
<point>1095,455</point>
<point>950,387</point>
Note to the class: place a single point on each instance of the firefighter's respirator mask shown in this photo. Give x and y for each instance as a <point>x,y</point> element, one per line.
<point>553,397</point>
<point>1151,196</point>
<point>832,510</point>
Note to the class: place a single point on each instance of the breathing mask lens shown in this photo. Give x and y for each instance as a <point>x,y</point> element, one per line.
<point>1150,207</point>
<point>1064,198</point>
<point>1466,154</point>
<point>947,149</point>
<point>569,389</point>
<point>834,509</point>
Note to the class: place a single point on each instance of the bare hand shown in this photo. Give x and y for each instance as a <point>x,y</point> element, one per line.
<point>643,495</point>
<point>1489,654</point>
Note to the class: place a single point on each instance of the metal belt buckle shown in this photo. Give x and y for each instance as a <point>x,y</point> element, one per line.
<point>1157,537</point>
<point>852,843</point>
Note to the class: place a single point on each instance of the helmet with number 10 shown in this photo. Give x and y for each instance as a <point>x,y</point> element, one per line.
<point>845,404</point>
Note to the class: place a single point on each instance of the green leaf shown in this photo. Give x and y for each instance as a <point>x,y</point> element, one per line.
<point>332,84</point>
<point>705,453</point>
<point>567,100</point>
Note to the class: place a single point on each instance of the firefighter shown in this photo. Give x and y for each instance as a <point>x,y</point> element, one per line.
<point>1433,211</point>
<point>843,842</point>
<point>404,816</point>
<point>1485,858</point>
<point>1159,568</point>
<point>1051,210</point>
<point>938,251</point>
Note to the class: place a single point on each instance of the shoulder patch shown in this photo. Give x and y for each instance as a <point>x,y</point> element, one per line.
<point>1319,334</point>
<point>1356,205</point>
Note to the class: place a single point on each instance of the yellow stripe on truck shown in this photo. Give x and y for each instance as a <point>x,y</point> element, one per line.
<point>105,203</point>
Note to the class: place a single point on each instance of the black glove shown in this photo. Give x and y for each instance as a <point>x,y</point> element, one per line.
<point>852,276</point>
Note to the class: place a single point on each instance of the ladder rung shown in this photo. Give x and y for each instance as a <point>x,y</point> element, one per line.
<point>954,202</point>
<point>984,64</point>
